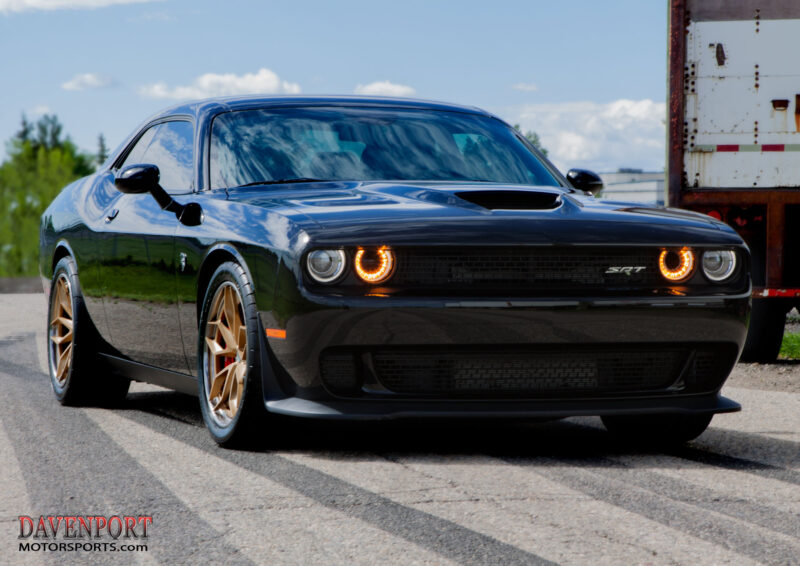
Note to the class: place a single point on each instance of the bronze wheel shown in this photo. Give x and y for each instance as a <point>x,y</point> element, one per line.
<point>225,358</point>
<point>230,357</point>
<point>61,326</point>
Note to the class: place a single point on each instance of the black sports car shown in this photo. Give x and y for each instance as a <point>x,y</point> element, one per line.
<point>368,257</point>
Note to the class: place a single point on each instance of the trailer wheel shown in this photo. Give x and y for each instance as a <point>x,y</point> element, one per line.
<point>765,334</point>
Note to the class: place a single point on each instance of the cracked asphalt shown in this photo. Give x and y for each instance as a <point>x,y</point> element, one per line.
<point>395,493</point>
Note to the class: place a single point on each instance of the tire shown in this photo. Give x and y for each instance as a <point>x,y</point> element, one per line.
<point>229,358</point>
<point>657,430</point>
<point>767,316</point>
<point>765,333</point>
<point>75,372</point>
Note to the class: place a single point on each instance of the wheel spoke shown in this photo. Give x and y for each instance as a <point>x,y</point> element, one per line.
<point>223,400</point>
<point>218,385</point>
<point>218,349</point>
<point>241,342</point>
<point>65,302</point>
<point>237,387</point>
<point>220,391</point>
<point>64,321</point>
<point>229,338</point>
<point>59,299</point>
<point>229,306</point>
<point>64,360</point>
<point>66,338</point>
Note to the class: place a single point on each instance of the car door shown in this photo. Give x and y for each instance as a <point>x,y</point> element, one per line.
<point>140,303</point>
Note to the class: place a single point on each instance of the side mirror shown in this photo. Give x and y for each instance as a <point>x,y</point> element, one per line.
<point>191,215</point>
<point>584,180</point>
<point>143,178</point>
<point>137,179</point>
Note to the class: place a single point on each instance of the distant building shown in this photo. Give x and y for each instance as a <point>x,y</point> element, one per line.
<point>634,185</point>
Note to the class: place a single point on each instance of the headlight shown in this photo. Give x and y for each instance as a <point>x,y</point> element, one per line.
<point>375,266</point>
<point>676,265</point>
<point>718,265</point>
<point>326,266</point>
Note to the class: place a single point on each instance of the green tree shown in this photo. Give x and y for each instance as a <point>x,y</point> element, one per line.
<point>38,166</point>
<point>532,137</point>
<point>48,132</point>
<point>25,130</point>
<point>102,150</point>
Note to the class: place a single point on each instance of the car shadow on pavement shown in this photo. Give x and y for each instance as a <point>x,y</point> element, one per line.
<point>443,436</point>
<point>581,440</point>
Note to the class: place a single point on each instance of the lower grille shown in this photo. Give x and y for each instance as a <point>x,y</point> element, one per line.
<point>435,373</point>
<point>526,372</point>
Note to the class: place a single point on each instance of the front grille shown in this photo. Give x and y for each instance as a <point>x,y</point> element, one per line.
<point>518,372</point>
<point>515,372</point>
<point>521,268</point>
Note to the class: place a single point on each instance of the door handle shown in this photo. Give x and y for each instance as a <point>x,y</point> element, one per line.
<point>112,215</point>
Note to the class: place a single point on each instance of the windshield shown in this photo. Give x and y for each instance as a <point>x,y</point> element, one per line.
<point>361,144</point>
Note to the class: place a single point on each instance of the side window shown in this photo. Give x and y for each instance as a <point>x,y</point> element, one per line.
<point>170,146</point>
<point>172,149</point>
<point>135,156</point>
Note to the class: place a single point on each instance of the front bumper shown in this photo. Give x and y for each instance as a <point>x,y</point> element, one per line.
<point>312,328</point>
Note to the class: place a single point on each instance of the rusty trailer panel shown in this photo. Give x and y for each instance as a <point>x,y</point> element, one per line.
<point>740,104</point>
<point>734,95</point>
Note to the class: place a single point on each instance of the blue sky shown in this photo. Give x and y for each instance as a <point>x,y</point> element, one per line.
<point>588,76</point>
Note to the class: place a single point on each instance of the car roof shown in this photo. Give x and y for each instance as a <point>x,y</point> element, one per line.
<point>212,106</point>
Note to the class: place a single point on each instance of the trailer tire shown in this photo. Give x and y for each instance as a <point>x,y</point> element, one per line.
<point>765,334</point>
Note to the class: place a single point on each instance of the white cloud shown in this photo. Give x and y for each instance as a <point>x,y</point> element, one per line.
<point>41,110</point>
<point>385,88</point>
<point>228,84</point>
<point>26,5</point>
<point>527,87</point>
<point>85,81</point>
<point>601,137</point>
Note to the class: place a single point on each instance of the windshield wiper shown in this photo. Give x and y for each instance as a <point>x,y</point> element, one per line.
<point>282,181</point>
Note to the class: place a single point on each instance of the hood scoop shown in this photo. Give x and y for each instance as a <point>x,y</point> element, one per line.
<point>512,200</point>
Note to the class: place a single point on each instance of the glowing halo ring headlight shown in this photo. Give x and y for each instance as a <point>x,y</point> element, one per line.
<point>374,266</point>
<point>676,265</point>
<point>326,266</point>
<point>719,265</point>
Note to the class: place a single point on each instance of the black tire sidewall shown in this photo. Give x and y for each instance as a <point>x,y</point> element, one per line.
<point>765,333</point>
<point>767,316</point>
<point>251,407</point>
<point>657,430</point>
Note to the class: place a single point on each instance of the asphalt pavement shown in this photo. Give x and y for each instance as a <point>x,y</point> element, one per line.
<point>392,493</point>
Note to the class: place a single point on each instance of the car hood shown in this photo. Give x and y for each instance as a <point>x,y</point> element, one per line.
<point>374,213</point>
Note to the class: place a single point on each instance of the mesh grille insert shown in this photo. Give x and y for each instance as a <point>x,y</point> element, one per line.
<point>494,373</point>
<point>526,268</point>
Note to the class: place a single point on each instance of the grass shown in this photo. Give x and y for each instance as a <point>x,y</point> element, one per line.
<point>790,347</point>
